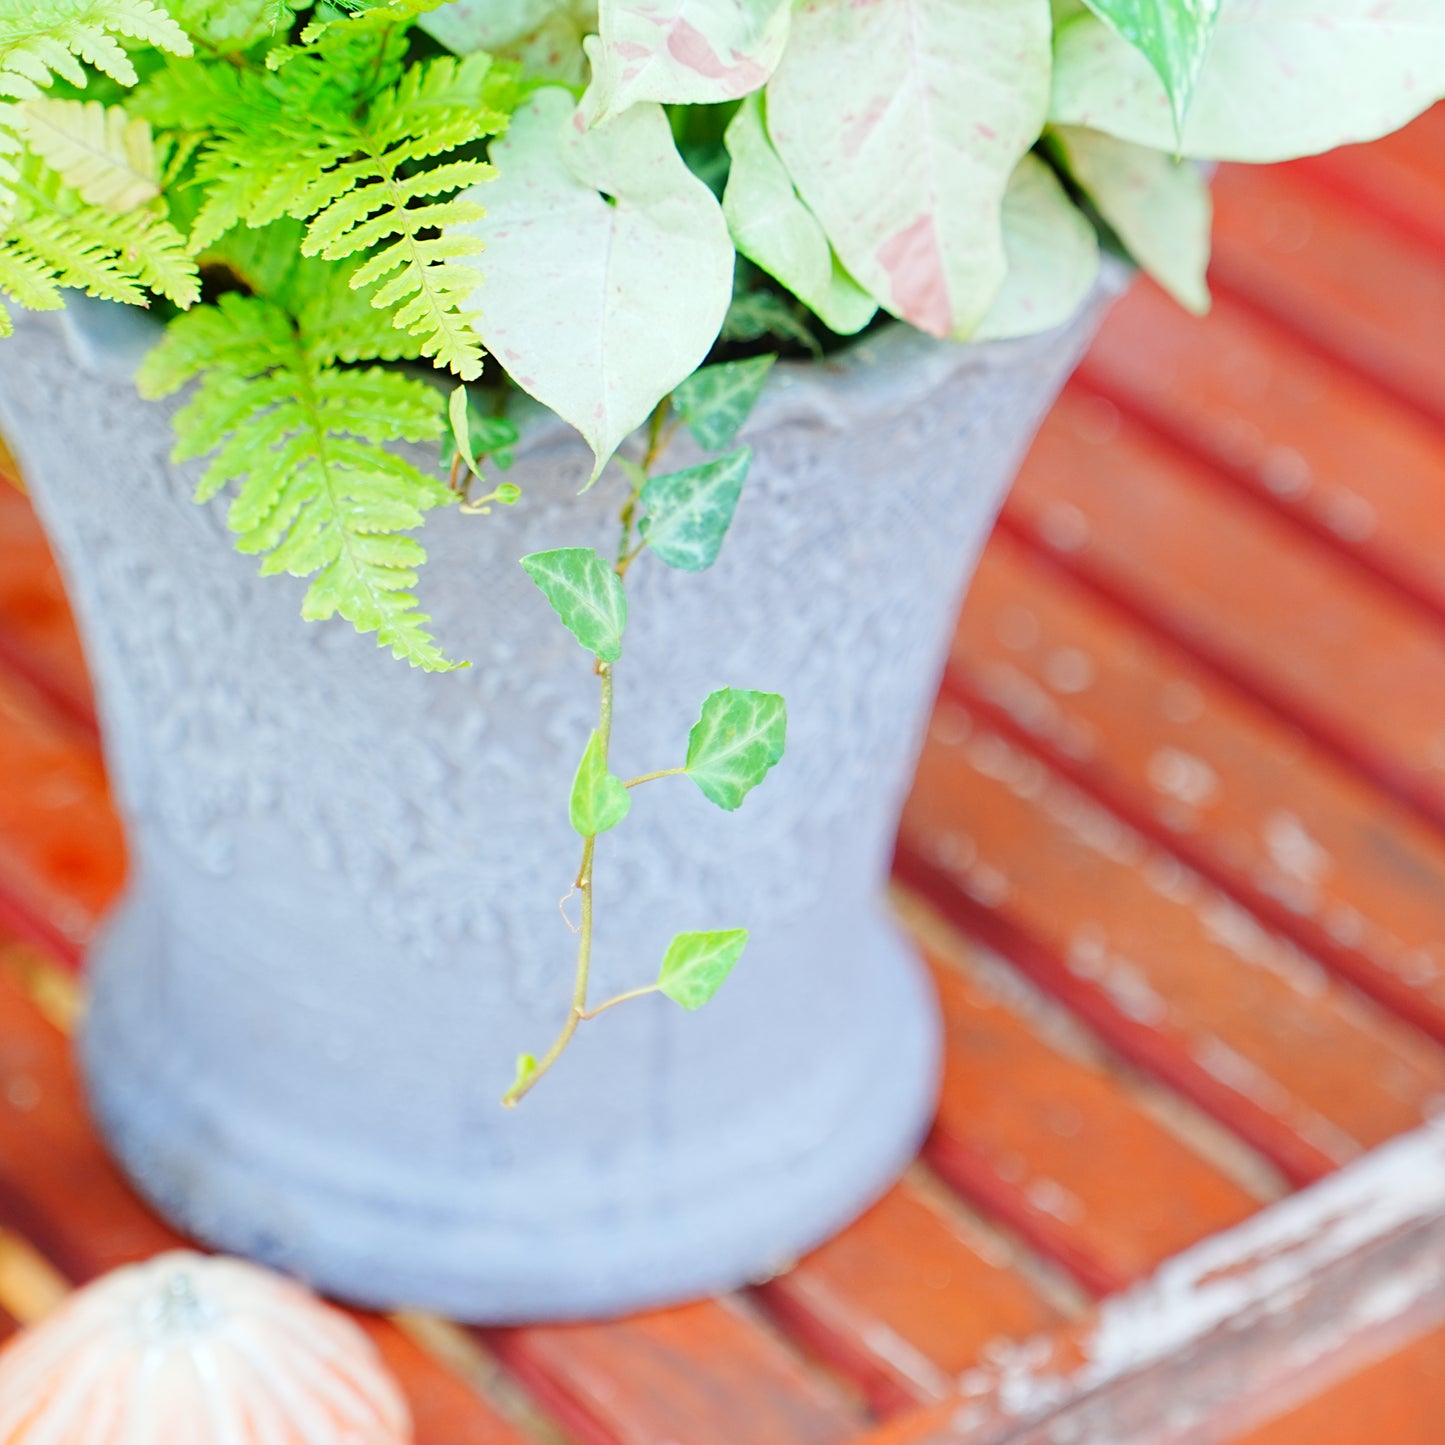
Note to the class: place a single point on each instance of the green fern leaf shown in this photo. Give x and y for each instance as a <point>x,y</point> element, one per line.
<point>38,42</point>
<point>318,493</point>
<point>109,158</point>
<point>54,237</point>
<point>323,140</point>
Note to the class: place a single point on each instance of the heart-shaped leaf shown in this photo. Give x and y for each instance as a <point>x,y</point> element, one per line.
<point>1172,35</point>
<point>586,594</point>
<point>1053,256</point>
<point>696,965</point>
<point>689,512</point>
<point>900,124</point>
<point>545,35</point>
<point>716,400</point>
<point>599,799</point>
<point>775,230</point>
<point>608,265</point>
<point>1281,79</point>
<point>1159,207</point>
<point>739,736</point>
<point>687,52</point>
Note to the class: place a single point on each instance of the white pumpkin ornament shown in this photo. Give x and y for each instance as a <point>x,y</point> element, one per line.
<point>187,1349</point>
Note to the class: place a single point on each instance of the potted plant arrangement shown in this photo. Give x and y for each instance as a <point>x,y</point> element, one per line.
<point>365,231</point>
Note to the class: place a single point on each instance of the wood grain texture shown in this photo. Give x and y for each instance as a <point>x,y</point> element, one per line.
<point>1149,528</point>
<point>704,1374</point>
<point>1400,1399</point>
<point>1368,296</point>
<point>1238,795</point>
<point>1177,976</point>
<point>1398,179</point>
<point>1353,1264</point>
<point>62,856</point>
<point>1319,444</point>
<point>1055,1145</point>
<point>909,1297</point>
<point>37,637</point>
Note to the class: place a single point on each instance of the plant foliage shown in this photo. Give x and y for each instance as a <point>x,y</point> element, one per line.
<point>343,136</point>
<point>78,183</point>
<point>305,443</point>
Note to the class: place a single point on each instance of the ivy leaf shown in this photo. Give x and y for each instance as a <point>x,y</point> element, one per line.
<point>688,52</point>
<point>494,436</point>
<point>900,124</point>
<point>739,736</point>
<point>715,400</point>
<point>1172,35</point>
<point>1283,79</point>
<point>689,512</point>
<point>609,266</point>
<point>599,799</point>
<point>1053,256</point>
<point>586,594</point>
<point>696,965</point>
<point>774,229</point>
<point>1158,206</point>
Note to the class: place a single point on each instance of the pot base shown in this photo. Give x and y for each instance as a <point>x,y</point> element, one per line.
<point>362,1235</point>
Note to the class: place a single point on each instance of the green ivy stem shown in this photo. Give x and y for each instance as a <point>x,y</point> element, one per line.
<point>583,884</point>
<point>659,437</point>
<point>631,993</point>
<point>648,777</point>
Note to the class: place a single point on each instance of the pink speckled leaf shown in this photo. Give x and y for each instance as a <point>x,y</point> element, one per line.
<point>545,35</point>
<point>775,230</point>
<point>682,51</point>
<point>1053,256</point>
<point>1282,78</point>
<point>608,265</point>
<point>901,122</point>
<point>1159,207</point>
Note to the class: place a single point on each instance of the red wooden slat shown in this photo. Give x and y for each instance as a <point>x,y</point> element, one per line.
<point>1353,878</point>
<point>62,857</point>
<point>1368,296</point>
<point>1399,179</point>
<point>1171,972</point>
<point>706,1374</point>
<point>907,1298</point>
<point>1151,529</point>
<point>1054,1145</point>
<point>1400,1399</point>
<point>59,1190</point>
<point>1321,445</point>
<point>37,636</point>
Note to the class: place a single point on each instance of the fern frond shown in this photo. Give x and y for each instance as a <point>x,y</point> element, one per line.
<point>52,242</point>
<point>228,27</point>
<point>27,279</point>
<point>100,151</point>
<point>353,168</point>
<point>117,257</point>
<point>39,42</point>
<point>318,494</point>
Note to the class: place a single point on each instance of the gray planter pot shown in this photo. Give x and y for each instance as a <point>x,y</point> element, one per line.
<point>342,921</point>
